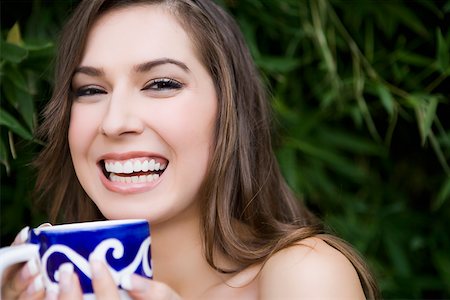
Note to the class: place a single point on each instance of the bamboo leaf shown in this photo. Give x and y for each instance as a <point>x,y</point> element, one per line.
<point>4,156</point>
<point>333,160</point>
<point>350,142</point>
<point>12,53</point>
<point>406,16</point>
<point>16,92</point>
<point>397,254</point>
<point>386,98</point>
<point>442,263</point>
<point>278,64</point>
<point>14,125</point>
<point>443,52</point>
<point>413,58</point>
<point>286,158</point>
<point>429,109</point>
<point>16,77</point>
<point>443,195</point>
<point>14,36</point>
<point>425,107</point>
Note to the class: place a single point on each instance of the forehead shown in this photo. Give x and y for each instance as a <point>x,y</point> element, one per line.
<point>136,33</point>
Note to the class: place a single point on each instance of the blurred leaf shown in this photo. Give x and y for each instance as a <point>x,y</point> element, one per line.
<point>4,156</point>
<point>413,58</point>
<point>352,143</point>
<point>429,109</point>
<point>41,48</point>
<point>442,263</point>
<point>407,17</point>
<point>286,158</point>
<point>10,122</point>
<point>17,93</point>
<point>336,162</point>
<point>12,53</point>
<point>14,36</point>
<point>446,8</point>
<point>278,64</point>
<point>397,254</point>
<point>16,77</point>
<point>386,98</point>
<point>425,107</point>
<point>443,195</point>
<point>443,52</point>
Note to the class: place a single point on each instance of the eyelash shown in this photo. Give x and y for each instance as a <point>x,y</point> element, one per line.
<point>160,84</point>
<point>163,84</point>
<point>88,91</point>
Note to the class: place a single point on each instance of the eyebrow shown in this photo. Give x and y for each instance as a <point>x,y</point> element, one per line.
<point>147,66</point>
<point>140,68</point>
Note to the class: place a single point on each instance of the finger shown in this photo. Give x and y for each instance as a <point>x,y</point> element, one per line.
<point>140,288</point>
<point>35,290</point>
<point>102,281</point>
<point>69,285</point>
<point>21,278</point>
<point>22,236</point>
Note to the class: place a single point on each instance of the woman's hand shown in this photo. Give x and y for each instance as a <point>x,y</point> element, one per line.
<point>23,281</point>
<point>138,288</point>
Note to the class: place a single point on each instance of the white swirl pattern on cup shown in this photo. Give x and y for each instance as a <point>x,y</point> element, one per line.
<point>99,253</point>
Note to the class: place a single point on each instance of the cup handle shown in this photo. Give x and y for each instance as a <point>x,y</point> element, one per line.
<point>15,254</point>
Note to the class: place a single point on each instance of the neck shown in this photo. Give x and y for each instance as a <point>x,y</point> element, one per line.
<point>178,259</point>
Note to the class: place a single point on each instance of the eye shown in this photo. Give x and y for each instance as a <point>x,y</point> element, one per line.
<point>163,84</point>
<point>88,91</point>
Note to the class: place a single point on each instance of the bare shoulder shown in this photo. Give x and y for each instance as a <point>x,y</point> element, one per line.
<point>311,269</point>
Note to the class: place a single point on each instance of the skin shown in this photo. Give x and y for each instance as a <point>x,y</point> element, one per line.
<point>116,113</point>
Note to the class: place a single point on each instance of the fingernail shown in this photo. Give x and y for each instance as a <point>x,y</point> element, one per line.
<point>125,282</point>
<point>45,225</point>
<point>36,285</point>
<point>29,270</point>
<point>133,282</point>
<point>65,277</point>
<point>96,268</point>
<point>51,295</point>
<point>22,236</point>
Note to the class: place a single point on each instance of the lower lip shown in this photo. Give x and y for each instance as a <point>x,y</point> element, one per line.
<point>128,188</point>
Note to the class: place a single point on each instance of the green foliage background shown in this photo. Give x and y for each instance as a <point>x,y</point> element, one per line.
<point>360,93</point>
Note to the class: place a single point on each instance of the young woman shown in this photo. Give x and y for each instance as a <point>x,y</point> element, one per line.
<point>158,113</point>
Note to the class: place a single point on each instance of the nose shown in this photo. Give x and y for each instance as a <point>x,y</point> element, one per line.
<point>121,116</point>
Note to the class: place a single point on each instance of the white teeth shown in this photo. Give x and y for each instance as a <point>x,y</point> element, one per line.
<point>144,166</point>
<point>118,168</point>
<point>151,165</point>
<point>128,167</point>
<point>131,166</point>
<point>133,179</point>
<point>137,166</point>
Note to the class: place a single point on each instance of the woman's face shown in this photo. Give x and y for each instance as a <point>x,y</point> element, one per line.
<point>142,120</point>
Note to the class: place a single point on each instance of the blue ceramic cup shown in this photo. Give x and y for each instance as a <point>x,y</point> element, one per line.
<point>124,245</point>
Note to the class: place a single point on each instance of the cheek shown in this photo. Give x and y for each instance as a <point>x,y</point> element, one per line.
<point>82,129</point>
<point>190,127</point>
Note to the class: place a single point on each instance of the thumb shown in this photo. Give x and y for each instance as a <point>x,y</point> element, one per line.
<point>140,288</point>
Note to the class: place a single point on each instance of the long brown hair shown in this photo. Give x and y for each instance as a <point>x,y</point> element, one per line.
<point>248,211</point>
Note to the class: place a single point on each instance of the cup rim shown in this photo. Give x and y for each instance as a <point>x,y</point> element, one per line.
<point>91,225</point>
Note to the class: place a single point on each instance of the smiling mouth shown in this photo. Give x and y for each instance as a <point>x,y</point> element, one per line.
<point>136,170</point>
